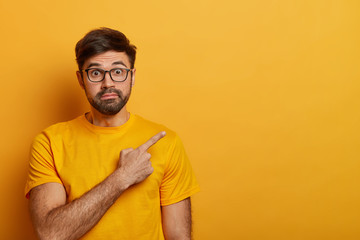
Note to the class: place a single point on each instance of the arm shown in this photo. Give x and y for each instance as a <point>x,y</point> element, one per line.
<point>176,219</point>
<point>54,219</point>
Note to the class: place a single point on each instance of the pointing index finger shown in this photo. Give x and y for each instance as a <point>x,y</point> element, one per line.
<point>154,139</point>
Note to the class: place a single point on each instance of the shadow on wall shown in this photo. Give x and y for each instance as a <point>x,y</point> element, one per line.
<point>59,99</point>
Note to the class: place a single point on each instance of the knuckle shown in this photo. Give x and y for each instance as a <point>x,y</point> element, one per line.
<point>126,150</point>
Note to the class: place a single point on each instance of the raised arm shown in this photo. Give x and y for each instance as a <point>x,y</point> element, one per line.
<point>55,219</point>
<point>176,219</point>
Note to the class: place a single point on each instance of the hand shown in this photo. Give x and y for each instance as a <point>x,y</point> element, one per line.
<point>134,164</point>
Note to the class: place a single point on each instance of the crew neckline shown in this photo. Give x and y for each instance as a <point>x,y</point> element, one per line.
<point>98,129</point>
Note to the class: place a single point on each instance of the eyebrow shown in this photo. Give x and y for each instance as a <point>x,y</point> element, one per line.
<point>114,63</point>
<point>119,62</point>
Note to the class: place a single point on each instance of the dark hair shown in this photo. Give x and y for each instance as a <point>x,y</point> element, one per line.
<point>102,40</point>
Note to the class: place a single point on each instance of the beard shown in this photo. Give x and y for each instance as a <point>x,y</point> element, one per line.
<point>109,106</point>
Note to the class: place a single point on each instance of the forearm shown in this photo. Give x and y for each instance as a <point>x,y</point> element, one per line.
<point>73,220</point>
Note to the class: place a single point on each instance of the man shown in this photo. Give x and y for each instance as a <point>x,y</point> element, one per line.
<point>109,174</point>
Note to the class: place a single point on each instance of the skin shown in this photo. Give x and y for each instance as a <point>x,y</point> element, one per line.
<point>53,218</point>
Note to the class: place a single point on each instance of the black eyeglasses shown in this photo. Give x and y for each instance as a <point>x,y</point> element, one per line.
<point>116,74</point>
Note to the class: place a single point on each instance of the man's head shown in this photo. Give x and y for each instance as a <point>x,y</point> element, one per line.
<point>106,60</point>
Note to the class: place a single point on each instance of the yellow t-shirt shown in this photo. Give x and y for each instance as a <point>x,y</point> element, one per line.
<point>79,155</point>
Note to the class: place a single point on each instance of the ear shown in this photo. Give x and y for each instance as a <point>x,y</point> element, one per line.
<point>133,77</point>
<point>80,79</point>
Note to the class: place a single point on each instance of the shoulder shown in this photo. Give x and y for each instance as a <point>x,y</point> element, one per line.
<point>61,126</point>
<point>147,128</point>
<point>57,129</point>
<point>146,125</point>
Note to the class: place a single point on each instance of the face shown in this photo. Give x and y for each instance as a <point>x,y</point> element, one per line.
<point>107,97</point>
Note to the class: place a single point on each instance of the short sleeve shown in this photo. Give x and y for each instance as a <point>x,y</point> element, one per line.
<point>179,179</point>
<point>41,164</point>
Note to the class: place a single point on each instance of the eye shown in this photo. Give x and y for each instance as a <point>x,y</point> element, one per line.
<point>95,73</point>
<point>118,71</point>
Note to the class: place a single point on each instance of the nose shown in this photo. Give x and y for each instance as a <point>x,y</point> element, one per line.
<point>107,82</point>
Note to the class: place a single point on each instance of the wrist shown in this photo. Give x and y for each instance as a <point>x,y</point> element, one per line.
<point>121,180</point>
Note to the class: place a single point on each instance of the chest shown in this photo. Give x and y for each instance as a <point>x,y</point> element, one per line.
<point>82,163</point>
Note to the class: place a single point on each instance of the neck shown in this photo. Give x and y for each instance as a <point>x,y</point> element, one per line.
<point>101,120</point>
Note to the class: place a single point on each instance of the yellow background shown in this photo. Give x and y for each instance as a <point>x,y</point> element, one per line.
<point>264,94</point>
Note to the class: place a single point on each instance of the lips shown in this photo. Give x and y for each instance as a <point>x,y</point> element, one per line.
<point>109,96</point>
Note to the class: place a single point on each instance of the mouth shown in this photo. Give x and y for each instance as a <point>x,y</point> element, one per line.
<point>107,96</point>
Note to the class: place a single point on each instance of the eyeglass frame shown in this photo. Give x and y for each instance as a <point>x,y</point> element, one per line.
<point>109,71</point>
